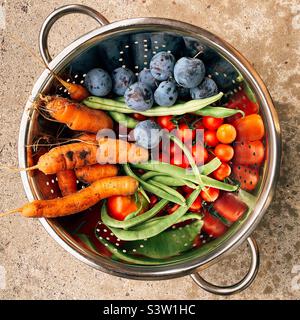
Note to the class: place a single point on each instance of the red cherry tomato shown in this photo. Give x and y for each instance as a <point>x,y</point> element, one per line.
<point>138,116</point>
<point>186,189</point>
<point>242,102</point>
<point>185,133</point>
<point>222,172</point>
<point>153,200</point>
<point>171,209</point>
<point>229,206</point>
<point>212,123</point>
<point>209,194</point>
<point>224,152</point>
<point>182,162</point>
<point>200,154</point>
<point>213,226</point>
<point>210,138</point>
<point>165,122</point>
<point>120,207</point>
<point>197,205</point>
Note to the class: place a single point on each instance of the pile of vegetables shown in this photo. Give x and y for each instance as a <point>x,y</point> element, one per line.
<point>155,209</point>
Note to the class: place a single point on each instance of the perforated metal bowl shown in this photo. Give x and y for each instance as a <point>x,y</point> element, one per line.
<point>106,46</point>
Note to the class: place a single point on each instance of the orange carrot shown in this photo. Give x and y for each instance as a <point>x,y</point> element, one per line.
<point>67,182</point>
<point>77,116</point>
<point>81,154</point>
<point>77,92</point>
<point>120,151</point>
<point>90,174</point>
<point>81,200</point>
<point>66,157</point>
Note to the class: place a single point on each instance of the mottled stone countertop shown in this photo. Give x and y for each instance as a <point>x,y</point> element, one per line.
<point>267,33</point>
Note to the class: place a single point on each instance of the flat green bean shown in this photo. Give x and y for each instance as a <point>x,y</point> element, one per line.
<point>125,224</point>
<point>190,159</point>
<point>168,189</point>
<point>159,226</point>
<point>123,119</point>
<point>218,112</point>
<point>167,180</point>
<point>175,171</point>
<point>173,182</point>
<point>177,109</point>
<point>151,188</point>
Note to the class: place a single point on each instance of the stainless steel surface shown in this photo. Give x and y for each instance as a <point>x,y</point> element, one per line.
<point>56,15</point>
<point>239,286</point>
<point>273,146</point>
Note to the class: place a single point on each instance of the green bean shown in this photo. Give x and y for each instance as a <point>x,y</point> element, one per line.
<point>177,109</point>
<point>111,222</point>
<point>167,180</point>
<point>151,188</point>
<point>134,213</point>
<point>189,157</point>
<point>151,222</point>
<point>144,194</point>
<point>120,99</point>
<point>168,189</point>
<point>173,182</point>
<point>168,168</point>
<point>159,226</point>
<point>218,112</point>
<point>211,166</point>
<point>123,119</point>
<point>175,171</point>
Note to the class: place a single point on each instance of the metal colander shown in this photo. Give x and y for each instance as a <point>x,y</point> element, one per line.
<point>132,43</point>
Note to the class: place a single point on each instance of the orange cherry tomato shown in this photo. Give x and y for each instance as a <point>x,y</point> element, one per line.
<point>119,207</point>
<point>209,194</point>
<point>226,133</point>
<point>212,123</point>
<point>210,138</point>
<point>224,152</point>
<point>222,172</point>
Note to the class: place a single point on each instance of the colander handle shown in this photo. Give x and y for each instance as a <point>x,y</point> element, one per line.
<point>239,286</point>
<point>59,13</point>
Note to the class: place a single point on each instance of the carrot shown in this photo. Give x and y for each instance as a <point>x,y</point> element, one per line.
<point>77,92</point>
<point>66,157</point>
<point>81,154</point>
<point>79,201</point>
<point>77,116</point>
<point>90,174</point>
<point>67,182</point>
<point>120,151</point>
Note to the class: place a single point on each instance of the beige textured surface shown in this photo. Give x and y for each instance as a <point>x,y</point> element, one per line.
<point>267,33</point>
